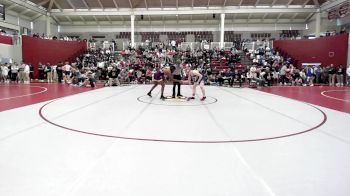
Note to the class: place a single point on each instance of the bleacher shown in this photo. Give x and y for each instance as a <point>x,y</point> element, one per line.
<point>202,35</point>
<point>230,36</point>
<point>124,35</point>
<point>260,36</point>
<point>285,55</point>
<point>289,33</point>
<point>176,35</point>
<point>150,36</point>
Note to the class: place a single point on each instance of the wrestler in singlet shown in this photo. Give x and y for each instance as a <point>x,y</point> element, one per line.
<point>198,81</point>
<point>158,78</point>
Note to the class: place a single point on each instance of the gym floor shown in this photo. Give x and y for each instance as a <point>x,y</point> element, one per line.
<point>60,140</point>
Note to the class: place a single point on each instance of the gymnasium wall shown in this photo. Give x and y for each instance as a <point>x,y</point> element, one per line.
<point>326,25</point>
<point>325,50</point>
<point>4,39</point>
<point>17,21</point>
<point>37,50</point>
<point>13,52</point>
<point>201,26</point>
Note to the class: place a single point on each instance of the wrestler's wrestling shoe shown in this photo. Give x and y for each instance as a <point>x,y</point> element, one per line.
<point>149,94</point>
<point>162,98</point>
<point>189,98</point>
<point>203,98</point>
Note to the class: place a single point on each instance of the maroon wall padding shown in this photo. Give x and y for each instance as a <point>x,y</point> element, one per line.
<point>320,50</point>
<point>6,40</point>
<point>37,50</point>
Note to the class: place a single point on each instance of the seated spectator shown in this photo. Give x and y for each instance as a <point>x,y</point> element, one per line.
<point>113,77</point>
<point>89,80</point>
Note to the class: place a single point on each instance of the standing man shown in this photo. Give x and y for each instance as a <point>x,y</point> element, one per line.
<point>59,70</point>
<point>21,72</point>
<point>4,73</point>
<point>67,72</point>
<point>340,73</point>
<point>26,73</point>
<point>348,75</point>
<point>41,69</point>
<point>48,72</point>
<point>310,75</point>
<point>177,76</point>
<point>331,75</point>
<point>283,79</point>
<point>14,72</point>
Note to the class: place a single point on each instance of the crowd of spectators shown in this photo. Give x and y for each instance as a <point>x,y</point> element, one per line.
<point>270,68</point>
<point>15,73</point>
<point>63,38</point>
<point>136,66</point>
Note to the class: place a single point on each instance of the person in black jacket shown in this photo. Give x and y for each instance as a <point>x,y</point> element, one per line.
<point>41,69</point>
<point>113,77</point>
<point>268,76</point>
<point>59,71</point>
<point>177,76</point>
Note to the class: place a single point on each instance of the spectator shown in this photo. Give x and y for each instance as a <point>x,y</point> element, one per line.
<point>41,69</point>
<point>348,75</point>
<point>331,75</point>
<point>14,72</point>
<point>318,73</point>
<point>340,76</point>
<point>4,73</point>
<point>21,73</point>
<point>26,74</point>
<point>67,68</point>
<point>310,75</point>
<point>89,79</point>
<point>282,73</point>
<point>113,77</point>
<point>48,72</point>
<point>59,70</point>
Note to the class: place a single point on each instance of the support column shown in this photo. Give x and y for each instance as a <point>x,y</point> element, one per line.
<point>48,25</point>
<point>318,24</point>
<point>132,17</point>
<point>222,30</point>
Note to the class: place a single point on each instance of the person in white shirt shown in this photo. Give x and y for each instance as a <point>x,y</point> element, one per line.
<point>54,73</point>
<point>14,72</point>
<point>21,72</point>
<point>26,72</point>
<point>4,73</point>
<point>173,43</point>
<point>348,75</point>
<point>67,72</point>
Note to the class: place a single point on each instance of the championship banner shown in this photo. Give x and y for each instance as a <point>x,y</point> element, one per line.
<point>332,14</point>
<point>343,10</point>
